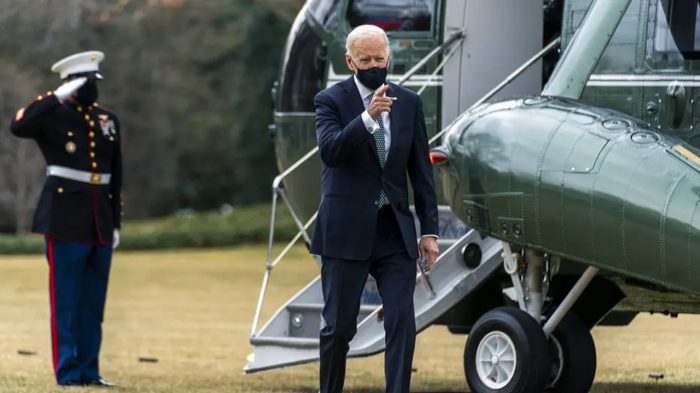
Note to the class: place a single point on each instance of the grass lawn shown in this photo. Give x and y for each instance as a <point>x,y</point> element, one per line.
<point>192,311</point>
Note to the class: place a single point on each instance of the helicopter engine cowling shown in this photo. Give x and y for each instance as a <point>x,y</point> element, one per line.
<point>586,183</point>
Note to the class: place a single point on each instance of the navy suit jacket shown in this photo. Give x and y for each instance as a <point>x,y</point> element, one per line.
<point>352,176</point>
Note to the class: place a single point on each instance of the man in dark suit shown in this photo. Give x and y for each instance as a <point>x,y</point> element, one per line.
<point>370,135</point>
<point>79,211</point>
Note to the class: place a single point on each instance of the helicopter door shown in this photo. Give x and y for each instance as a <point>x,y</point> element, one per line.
<point>500,36</point>
<point>674,43</point>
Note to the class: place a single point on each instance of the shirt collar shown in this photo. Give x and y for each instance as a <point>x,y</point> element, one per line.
<point>364,91</point>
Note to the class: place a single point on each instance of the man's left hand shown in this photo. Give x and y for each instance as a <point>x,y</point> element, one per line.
<point>428,249</point>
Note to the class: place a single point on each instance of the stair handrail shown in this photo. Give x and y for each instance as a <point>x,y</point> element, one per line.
<point>278,189</point>
<point>503,84</point>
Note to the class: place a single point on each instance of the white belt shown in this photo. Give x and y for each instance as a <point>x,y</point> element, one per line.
<point>81,176</point>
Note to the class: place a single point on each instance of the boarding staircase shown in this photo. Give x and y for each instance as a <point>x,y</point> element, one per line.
<point>291,336</point>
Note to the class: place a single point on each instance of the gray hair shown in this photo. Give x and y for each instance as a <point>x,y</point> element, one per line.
<point>365,31</point>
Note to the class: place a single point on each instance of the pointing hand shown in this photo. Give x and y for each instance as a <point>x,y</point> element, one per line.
<point>67,89</point>
<point>380,102</point>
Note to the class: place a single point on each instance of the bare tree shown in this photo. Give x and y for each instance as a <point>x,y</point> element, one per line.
<point>189,80</point>
<point>20,160</point>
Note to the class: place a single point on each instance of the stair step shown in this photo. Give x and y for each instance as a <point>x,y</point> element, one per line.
<point>302,307</point>
<point>294,342</point>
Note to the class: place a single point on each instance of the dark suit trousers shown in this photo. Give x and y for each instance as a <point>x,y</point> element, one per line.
<point>343,282</point>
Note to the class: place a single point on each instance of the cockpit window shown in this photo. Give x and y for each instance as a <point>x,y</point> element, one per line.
<point>393,15</point>
<point>677,31</point>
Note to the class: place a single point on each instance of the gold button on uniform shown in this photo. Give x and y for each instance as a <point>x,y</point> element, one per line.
<point>92,123</point>
<point>92,154</point>
<point>94,165</point>
<point>60,190</point>
<point>70,134</point>
<point>111,139</point>
<point>80,109</point>
<point>92,144</point>
<point>71,147</point>
<point>87,117</point>
<point>92,134</point>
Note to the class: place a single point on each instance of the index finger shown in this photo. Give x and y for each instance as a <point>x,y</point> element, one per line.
<point>382,89</point>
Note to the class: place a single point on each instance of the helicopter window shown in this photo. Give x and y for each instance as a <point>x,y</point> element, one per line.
<point>393,15</point>
<point>677,34</point>
<point>303,71</point>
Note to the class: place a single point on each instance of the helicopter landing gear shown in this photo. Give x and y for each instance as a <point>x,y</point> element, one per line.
<point>506,353</point>
<point>572,357</point>
<point>508,349</point>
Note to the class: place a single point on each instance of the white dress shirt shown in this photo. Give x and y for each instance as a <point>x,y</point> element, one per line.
<point>371,124</point>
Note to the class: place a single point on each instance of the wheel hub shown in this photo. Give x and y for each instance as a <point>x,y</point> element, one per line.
<point>496,360</point>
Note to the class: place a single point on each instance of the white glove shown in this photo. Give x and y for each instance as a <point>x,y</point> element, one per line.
<point>67,89</point>
<point>115,239</point>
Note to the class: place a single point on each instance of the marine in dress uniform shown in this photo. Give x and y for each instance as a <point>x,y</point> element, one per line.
<point>79,210</point>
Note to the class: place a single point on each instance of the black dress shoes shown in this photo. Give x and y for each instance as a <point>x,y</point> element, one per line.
<point>70,384</point>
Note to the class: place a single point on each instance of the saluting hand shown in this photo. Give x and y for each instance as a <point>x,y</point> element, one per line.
<point>67,89</point>
<point>380,102</point>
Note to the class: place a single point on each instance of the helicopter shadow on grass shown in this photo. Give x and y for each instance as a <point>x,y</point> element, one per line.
<point>597,388</point>
<point>651,387</point>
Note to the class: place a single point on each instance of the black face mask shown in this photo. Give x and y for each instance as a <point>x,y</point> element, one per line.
<point>87,94</point>
<point>372,78</point>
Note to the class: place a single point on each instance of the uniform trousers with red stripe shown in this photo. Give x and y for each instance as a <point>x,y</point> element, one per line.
<point>78,277</point>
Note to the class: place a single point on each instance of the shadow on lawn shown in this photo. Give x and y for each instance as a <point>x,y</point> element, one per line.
<point>651,387</point>
<point>597,388</point>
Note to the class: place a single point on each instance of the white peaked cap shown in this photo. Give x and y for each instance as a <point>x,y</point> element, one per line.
<point>79,62</point>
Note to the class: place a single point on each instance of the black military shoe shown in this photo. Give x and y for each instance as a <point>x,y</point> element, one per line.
<point>101,383</point>
<point>70,384</point>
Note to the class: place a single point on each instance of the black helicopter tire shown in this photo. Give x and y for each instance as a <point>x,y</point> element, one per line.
<point>572,357</point>
<point>506,352</point>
